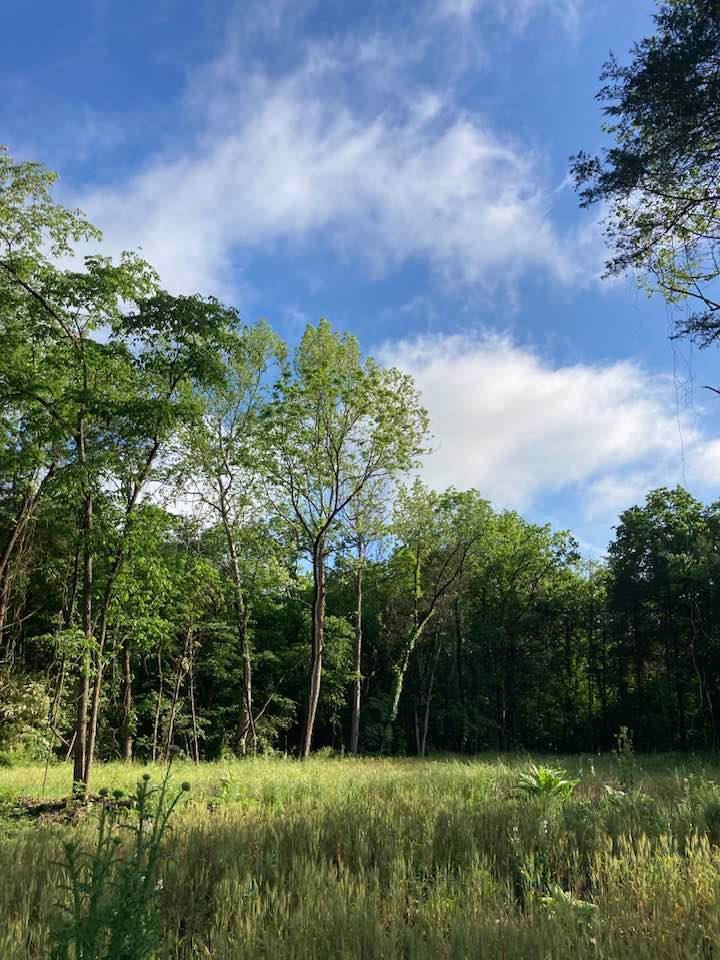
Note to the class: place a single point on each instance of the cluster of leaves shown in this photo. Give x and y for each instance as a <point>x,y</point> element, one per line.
<point>24,705</point>
<point>542,781</point>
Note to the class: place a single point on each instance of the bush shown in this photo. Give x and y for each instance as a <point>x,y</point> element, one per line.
<point>24,707</point>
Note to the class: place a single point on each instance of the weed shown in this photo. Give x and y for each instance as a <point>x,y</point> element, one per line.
<point>540,781</point>
<point>626,761</point>
<point>113,890</point>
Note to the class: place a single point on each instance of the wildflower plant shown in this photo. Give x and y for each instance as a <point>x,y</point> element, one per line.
<point>113,909</point>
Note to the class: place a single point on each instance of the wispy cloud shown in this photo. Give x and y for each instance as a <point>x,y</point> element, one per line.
<point>518,13</point>
<point>338,153</point>
<point>518,427</point>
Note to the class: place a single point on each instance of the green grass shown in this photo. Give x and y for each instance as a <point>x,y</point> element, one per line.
<point>402,858</point>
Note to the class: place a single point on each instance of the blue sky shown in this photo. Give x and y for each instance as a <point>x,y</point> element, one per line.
<point>400,167</point>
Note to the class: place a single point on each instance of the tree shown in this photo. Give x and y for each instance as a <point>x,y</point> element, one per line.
<point>511,612</point>
<point>175,348</point>
<point>224,463</point>
<point>143,591</point>
<point>81,383</point>
<point>365,524</point>
<point>33,229</point>
<point>660,179</point>
<point>435,533</point>
<point>112,364</point>
<point>336,424</point>
<point>660,588</point>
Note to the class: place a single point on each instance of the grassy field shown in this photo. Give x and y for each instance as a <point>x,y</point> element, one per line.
<point>401,858</point>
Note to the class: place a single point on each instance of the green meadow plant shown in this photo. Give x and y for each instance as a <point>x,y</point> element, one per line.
<point>559,902</point>
<point>541,781</point>
<point>626,761</point>
<point>113,889</point>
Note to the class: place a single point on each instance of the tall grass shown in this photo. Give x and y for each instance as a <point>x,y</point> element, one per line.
<point>392,858</point>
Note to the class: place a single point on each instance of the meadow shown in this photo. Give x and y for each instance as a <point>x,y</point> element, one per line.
<point>394,858</point>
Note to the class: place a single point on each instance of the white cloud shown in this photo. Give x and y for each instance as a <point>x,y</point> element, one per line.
<point>304,158</point>
<point>517,427</point>
<point>704,463</point>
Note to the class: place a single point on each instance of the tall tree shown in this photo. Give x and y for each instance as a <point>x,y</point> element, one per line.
<point>337,423</point>
<point>436,533</point>
<point>33,231</point>
<point>365,523</point>
<point>657,587</point>
<point>175,347</point>
<point>224,465</point>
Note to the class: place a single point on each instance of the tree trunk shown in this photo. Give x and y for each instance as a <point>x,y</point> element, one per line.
<point>247,722</point>
<point>52,719</point>
<point>80,778</point>
<point>115,568</point>
<point>14,532</point>
<point>401,669</point>
<point>179,677</point>
<point>22,516</point>
<point>502,709</point>
<point>357,682</point>
<point>400,672</point>
<point>460,674</point>
<point>127,702</point>
<point>701,677</point>
<point>428,700</point>
<point>196,748</point>
<point>15,537</point>
<point>317,640</point>
<point>4,603</point>
<point>12,541</point>
<point>158,708</point>
<point>100,645</point>
<point>70,596</point>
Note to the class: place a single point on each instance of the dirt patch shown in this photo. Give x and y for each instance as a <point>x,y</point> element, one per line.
<point>69,810</point>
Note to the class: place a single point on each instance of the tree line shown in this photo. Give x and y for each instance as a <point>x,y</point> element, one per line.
<point>208,540</point>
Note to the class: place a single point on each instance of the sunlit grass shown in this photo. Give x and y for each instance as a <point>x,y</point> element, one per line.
<point>406,858</point>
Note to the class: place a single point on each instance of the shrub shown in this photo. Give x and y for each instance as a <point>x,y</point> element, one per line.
<point>24,706</point>
<point>564,904</point>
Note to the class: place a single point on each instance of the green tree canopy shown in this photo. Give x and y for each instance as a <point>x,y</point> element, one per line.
<point>660,177</point>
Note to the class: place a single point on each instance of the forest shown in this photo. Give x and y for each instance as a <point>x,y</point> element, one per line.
<point>214,542</point>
